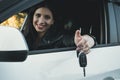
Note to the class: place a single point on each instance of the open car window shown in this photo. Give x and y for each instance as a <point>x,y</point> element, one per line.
<point>72,15</point>
<point>75,15</point>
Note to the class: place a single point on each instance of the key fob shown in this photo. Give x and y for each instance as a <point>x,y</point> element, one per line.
<point>82,59</point>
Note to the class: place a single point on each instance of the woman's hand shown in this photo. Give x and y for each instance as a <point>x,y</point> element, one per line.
<point>83,43</point>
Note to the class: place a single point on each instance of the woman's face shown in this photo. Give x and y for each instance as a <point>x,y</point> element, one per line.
<point>42,19</point>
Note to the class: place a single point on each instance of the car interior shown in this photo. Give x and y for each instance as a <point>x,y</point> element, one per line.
<point>87,15</point>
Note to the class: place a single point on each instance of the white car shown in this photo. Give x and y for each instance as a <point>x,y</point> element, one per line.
<point>102,17</point>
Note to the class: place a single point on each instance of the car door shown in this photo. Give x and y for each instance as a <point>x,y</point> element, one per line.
<point>63,63</point>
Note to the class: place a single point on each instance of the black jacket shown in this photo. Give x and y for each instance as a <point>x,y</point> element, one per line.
<point>52,39</point>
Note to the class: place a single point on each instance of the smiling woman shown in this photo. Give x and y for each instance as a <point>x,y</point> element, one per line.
<point>42,31</point>
<point>39,31</point>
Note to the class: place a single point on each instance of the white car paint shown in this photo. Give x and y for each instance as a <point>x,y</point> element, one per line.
<point>64,66</point>
<point>11,39</point>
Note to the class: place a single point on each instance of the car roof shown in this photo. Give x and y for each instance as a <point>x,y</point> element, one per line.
<point>11,7</point>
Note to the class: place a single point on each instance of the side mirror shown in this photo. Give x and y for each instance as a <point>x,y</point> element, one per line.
<point>13,47</point>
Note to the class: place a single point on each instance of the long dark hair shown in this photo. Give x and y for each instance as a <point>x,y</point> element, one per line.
<point>29,31</point>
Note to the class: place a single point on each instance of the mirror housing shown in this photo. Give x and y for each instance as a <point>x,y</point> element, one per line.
<point>13,47</point>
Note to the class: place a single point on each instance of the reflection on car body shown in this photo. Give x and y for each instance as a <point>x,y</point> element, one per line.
<point>62,63</point>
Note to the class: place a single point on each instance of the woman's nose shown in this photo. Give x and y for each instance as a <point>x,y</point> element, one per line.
<point>41,20</point>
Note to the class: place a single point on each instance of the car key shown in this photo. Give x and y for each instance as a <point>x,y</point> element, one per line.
<point>83,61</point>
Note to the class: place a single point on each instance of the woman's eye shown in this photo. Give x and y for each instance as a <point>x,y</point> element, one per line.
<point>47,17</point>
<point>38,15</point>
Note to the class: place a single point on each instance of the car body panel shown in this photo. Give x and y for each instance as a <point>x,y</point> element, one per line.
<point>63,65</point>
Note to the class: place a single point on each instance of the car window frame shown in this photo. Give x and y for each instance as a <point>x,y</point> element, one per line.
<point>103,36</point>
